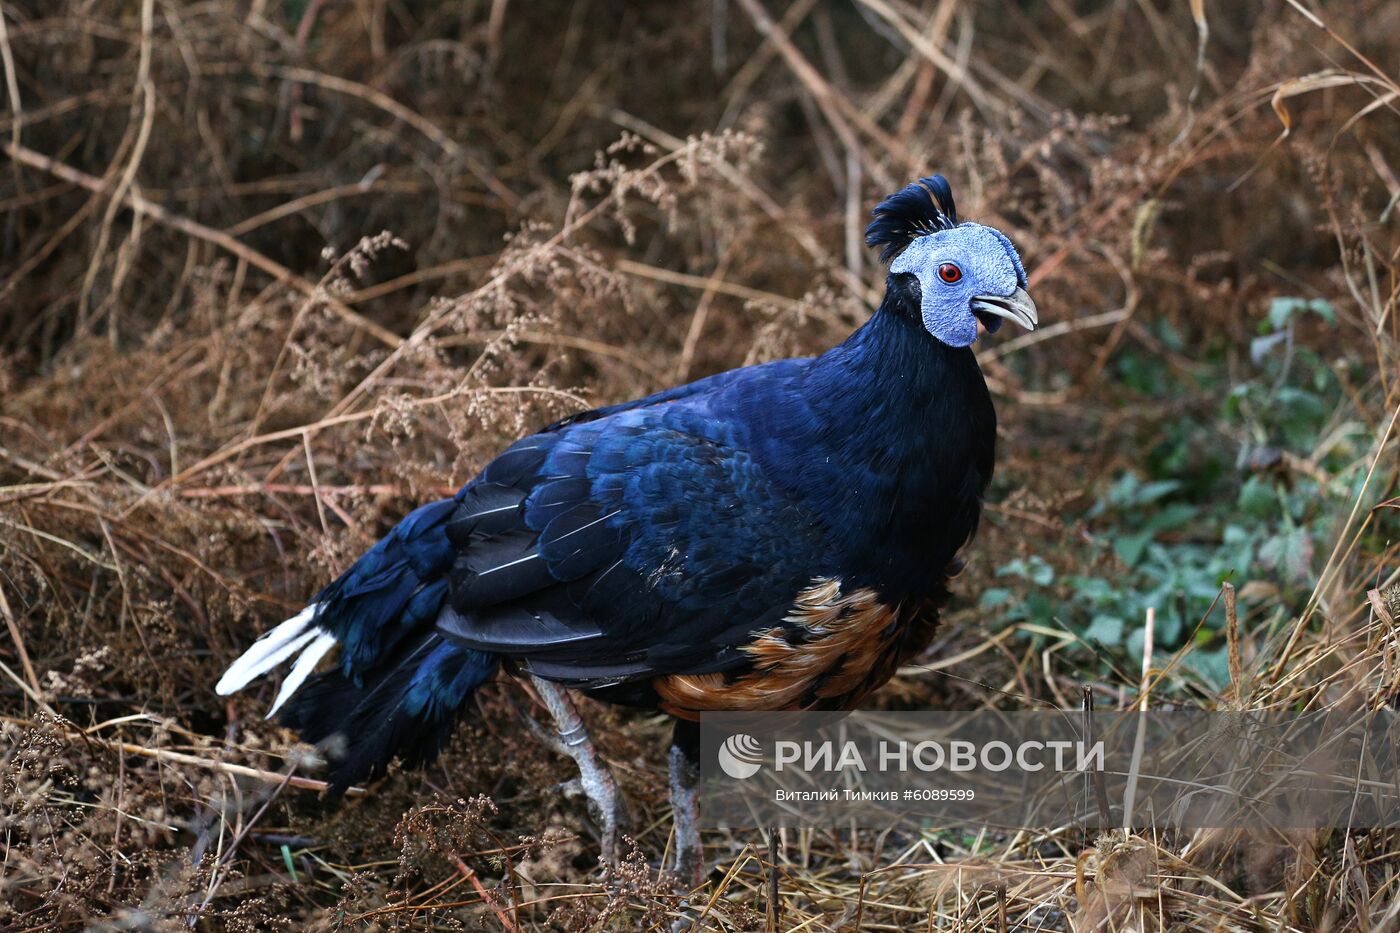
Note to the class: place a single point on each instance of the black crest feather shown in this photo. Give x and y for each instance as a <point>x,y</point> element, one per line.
<point>924,207</point>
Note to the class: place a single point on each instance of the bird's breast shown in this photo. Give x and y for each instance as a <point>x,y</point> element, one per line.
<point>832,649</point>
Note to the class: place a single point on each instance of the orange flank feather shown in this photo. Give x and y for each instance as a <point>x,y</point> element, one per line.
<point>831,651</point>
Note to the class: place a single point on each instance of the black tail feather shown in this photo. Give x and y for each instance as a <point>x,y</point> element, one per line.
<point>404,708</point>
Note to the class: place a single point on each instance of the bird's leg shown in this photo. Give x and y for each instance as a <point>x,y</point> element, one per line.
<point>685,802</point>
<point>595,776</point>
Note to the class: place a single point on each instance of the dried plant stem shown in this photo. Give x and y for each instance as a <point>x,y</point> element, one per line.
<point>20,650</point>
<point>506,923</point>
<point>159,213</point>
<point>7,61</point>
<point>703,283</point>
<point>836,107</point>
<point>1232,642</point>
<point>1144,689</point>
<point>213,764</point>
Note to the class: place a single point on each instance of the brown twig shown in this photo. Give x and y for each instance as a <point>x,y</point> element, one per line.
<point>501,915</point>
<point>138,202</point>
<point>20,650</point>
<point>212,764</point>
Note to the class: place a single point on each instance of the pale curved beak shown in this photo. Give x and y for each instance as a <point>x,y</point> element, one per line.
<point>1016,307</point>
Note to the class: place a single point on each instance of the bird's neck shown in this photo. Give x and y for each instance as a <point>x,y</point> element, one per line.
<point>891,366</point>
<point>909,423</point>
<point>894,398</point>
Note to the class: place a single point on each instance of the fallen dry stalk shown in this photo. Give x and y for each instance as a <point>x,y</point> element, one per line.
<point>170,757</point>
<point>134,200</point>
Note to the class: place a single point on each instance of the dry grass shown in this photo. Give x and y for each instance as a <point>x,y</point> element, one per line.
<point>219,383</point>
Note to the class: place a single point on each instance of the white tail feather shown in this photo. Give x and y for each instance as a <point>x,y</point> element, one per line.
<point>275,646</point>
<point>306,663</point>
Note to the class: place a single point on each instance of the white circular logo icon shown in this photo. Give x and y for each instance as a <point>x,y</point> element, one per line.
<point>741,756</point>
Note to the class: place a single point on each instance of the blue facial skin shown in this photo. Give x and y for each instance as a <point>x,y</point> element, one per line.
<point>989,266</point>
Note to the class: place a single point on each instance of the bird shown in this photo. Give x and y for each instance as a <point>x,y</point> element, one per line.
<point>775,537</point>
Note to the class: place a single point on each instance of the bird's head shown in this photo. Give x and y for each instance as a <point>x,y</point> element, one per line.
<point>958,275</point>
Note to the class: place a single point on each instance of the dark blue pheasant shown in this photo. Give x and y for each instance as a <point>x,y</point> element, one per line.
<point>773,537</point>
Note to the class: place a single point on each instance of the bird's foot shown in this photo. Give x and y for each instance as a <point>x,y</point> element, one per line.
<point>608,810</point>
<point>685,809</point>
<point>688,867</point>
<point>605,802</point>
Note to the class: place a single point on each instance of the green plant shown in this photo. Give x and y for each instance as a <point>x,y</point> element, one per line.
<point>1193,513</point>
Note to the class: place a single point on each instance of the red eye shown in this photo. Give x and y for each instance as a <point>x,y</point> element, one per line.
<point>949,273</point>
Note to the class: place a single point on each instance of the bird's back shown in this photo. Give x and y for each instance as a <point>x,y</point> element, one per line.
<point>756,539</point>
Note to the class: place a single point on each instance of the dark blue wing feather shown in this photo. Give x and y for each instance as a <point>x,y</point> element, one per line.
<point>651,527</point>
<point>674,528</point>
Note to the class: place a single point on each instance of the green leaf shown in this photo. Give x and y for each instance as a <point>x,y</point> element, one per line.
<point>1290,552</point>
<point>1212,666</point>
<point>1040,610</point>
<point>1093,590</point>
<point>1169,627</point>
<point>1260,347</point>
<point>1130,547</point>
<point>1172,516</point>
<point>1283,308</point>
<point>287,860</point>
<point>1134,643</point>
<point>994,597</point>
<point>1151,492</point>
<point>1034,569</point>
<point>1257,498</point>
<point>1106,630</point>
